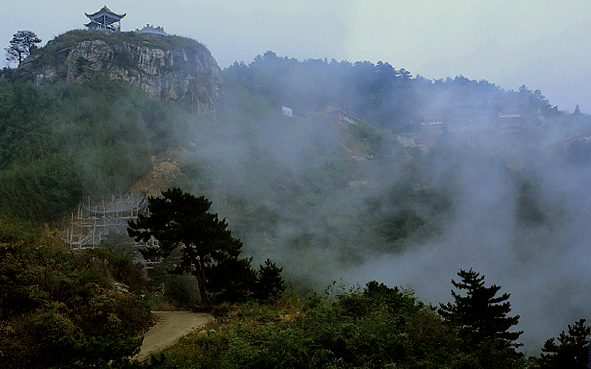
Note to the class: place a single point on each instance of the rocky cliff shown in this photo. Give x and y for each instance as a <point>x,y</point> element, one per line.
<point>170,67</point>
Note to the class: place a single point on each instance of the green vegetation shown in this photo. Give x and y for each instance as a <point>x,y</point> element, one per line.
<point>481,314</point>
<point>208,251</point>
<point>572,350</point>
<point>373,327</point>
<point>74,37</point>
<point>382,94</point>
<point>60,142</point>
<point>295,187</point>
<point>21,45</point>
<point>60,308</point>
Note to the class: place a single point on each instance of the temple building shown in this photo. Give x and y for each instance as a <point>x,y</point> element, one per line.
<point>150,29</point>
<point>105,20</point>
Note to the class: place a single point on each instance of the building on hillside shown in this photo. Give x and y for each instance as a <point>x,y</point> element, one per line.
<point>406,141</point>
<point>510,122</point>
<point>459,118</point>
<point>340,115</point>
<point>150,29</point>
<point>287,111</point>
<point>105,20</point>
<point>294,113</point>
<point>434,127</point>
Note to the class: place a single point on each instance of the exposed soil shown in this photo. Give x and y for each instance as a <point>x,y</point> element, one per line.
<point>163,173</point>
<point>170,326</point>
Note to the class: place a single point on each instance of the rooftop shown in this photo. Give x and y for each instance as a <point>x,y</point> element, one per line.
<point>107,13</point>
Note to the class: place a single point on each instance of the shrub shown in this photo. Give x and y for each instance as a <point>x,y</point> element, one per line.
<point>58,307</point>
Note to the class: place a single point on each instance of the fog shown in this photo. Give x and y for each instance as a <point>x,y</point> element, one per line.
<point>300,192</point>
<point>544,268</point>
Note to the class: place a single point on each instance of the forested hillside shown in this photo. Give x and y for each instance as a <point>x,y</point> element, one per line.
<point>389,97</point>
<point>97,137</point>
<point>335,170</point>
<point>61,142</point>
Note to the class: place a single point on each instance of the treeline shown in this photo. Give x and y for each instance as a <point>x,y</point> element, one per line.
<point>387,96</point>
<point>294,189</point>
<point>65,308</point>
<point>372,327</point>
<point>64,141</point>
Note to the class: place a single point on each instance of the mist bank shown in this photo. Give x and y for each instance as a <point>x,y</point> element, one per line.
<point>403,201</point>
<point>515,211</point>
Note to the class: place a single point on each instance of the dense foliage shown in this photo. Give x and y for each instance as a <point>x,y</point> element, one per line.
<point>74,37</point>
<point>182,222</point>
<point>373,327</point>
<point>60,142</point>
<point>571,351</point>
<point>300,188</point>
<point>60,308</point>
<point>389,97</point>
<point>21,45</point>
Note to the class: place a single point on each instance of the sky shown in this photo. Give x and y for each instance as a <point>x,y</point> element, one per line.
<point>538,43</point>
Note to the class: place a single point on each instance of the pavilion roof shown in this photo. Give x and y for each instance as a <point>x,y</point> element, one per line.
<point>106,16</point>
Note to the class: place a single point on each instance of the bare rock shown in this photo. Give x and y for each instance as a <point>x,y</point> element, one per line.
<point>168,67</point>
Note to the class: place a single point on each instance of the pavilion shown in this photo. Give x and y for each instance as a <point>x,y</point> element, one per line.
<point>105,20</point>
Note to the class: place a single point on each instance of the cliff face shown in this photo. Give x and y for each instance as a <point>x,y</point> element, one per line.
<point>170,67</point>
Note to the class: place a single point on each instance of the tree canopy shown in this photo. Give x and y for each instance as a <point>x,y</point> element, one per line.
<point>481,312</point>
<point>572,350</point>
<point>59,308</point>
<point>21,45</point>
<point>182,221</point>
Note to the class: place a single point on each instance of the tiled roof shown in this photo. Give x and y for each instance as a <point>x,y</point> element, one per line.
<point>108,12</point>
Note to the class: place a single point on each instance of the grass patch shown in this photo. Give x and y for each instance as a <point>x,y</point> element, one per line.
<point>235,324</point>
<point>74,37</point>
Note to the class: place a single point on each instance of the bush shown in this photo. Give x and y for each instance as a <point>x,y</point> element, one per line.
<point>373,327</point>
<point>58,307</point>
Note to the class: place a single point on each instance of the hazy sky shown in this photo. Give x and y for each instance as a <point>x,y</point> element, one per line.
<point>540,43</point>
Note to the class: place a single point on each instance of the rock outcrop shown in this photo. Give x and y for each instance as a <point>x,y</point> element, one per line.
<point>170,67</point>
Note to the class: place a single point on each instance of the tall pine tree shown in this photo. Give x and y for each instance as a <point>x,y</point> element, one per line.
<point>481,313</point>
<point>179,220</point>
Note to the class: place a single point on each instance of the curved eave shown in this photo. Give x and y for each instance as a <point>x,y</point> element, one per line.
<point>108,17</point>
<point>107,12</point>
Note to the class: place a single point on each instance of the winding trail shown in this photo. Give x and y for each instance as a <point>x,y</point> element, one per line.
<point>171,326</point>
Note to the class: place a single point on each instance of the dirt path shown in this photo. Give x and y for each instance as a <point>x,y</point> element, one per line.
<point>171,326</point>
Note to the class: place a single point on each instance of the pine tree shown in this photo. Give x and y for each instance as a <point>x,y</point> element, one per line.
<point>21,45</point>
<point>269,281</point>
<point>577,110</point>
<point>179,220</point>
<point>572,350</point>
<point>480,313</point>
